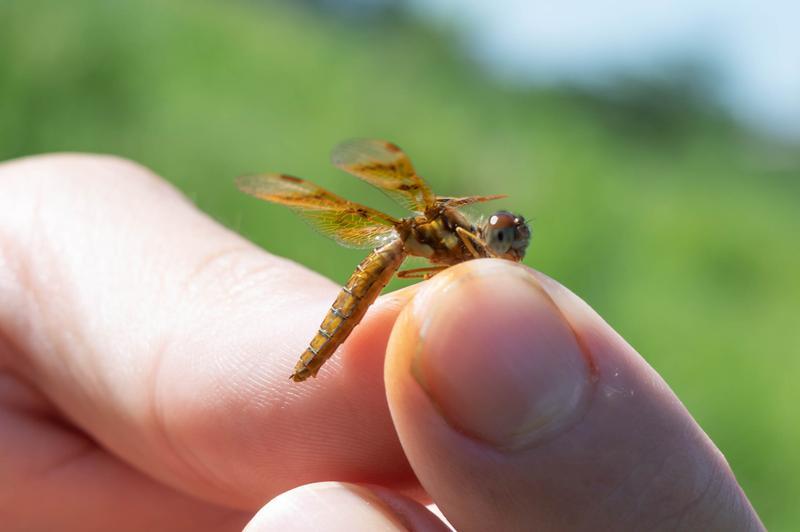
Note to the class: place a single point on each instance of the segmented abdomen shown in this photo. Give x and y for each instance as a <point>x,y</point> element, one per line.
<point>363,287</point>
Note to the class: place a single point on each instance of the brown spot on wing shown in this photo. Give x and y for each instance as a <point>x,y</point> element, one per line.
<point>394,148</point>
<point>385,166</point>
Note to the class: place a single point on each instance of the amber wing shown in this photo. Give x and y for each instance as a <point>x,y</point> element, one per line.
<point>468,200</point>
<point>347,222</point>
<point>384,165</point>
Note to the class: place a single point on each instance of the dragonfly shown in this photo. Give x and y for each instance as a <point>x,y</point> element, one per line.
<point>436,230</point>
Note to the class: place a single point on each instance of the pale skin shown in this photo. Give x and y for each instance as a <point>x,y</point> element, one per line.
<point>143,358</point>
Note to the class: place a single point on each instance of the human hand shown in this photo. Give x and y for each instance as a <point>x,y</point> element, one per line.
<point>143,385</point>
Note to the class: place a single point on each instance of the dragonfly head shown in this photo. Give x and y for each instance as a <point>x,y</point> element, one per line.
<point>506,234</point>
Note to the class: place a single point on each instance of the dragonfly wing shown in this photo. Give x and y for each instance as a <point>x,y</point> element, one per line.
<point>468,200</point>
<point>385,166</point>
<point>348,223</point>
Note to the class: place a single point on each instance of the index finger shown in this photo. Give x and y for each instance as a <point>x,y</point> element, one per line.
<point>169,338</point>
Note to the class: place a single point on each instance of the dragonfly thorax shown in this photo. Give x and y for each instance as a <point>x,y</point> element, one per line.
<point>435,237</point>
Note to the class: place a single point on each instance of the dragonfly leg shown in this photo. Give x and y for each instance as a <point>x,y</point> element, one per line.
<point>471,240</point>
<point>420,273</point>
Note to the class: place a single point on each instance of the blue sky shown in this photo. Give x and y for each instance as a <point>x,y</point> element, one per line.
<point>755,46</point>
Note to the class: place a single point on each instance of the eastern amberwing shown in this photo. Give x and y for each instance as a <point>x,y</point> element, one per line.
<point>437,231</point>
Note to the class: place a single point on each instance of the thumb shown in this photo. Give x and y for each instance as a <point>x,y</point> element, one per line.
<point>519,407</point>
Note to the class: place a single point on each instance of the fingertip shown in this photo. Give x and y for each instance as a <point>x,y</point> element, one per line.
<point>516,403</point>
<point>493,354</point>
<point>338,506</point>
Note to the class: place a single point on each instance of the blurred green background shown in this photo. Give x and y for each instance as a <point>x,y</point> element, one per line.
<point>677,224</point>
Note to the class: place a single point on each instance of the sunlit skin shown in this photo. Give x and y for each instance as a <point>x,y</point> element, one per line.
<point>437,232</point>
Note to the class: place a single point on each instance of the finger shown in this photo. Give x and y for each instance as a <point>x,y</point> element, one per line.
<point>56,478</point>
<point>169,339</point>
<point>520,408</point>
<point>336,506</point>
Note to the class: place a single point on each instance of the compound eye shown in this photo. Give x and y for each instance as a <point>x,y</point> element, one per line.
<point>501,220</point>
<point>500,230</point>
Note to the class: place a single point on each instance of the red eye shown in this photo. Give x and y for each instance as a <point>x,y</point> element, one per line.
<point>502,220</point>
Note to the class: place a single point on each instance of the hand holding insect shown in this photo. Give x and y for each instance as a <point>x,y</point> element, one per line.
<point>136,392</point>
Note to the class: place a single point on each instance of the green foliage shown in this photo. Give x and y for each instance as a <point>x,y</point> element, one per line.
<point>679,227</point>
